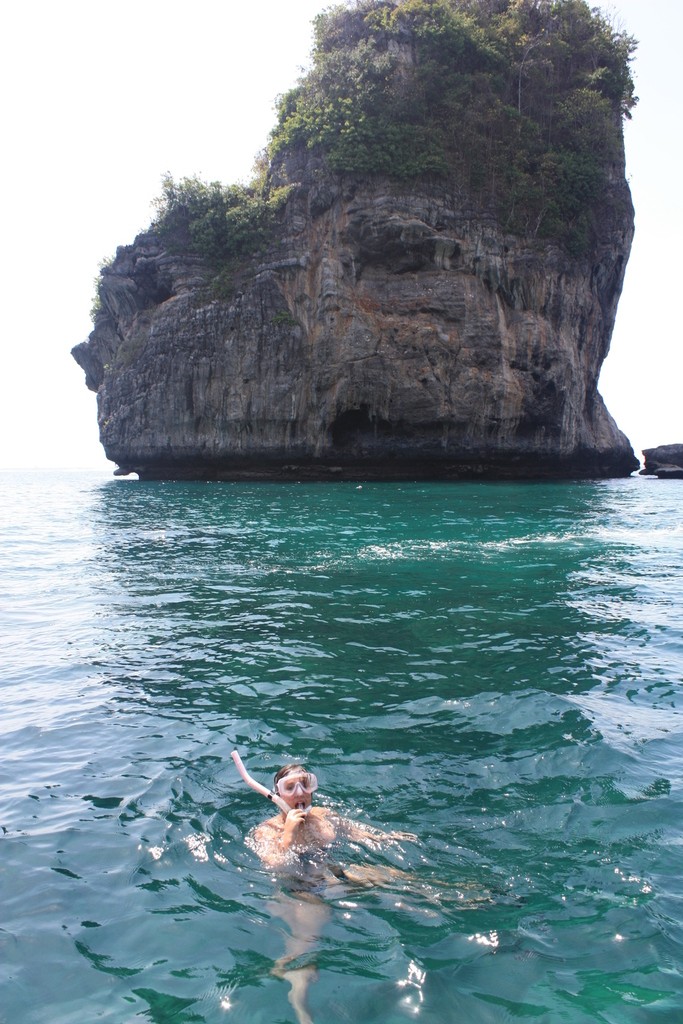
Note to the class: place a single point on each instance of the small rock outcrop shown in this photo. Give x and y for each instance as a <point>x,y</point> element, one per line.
<point>665,462</point>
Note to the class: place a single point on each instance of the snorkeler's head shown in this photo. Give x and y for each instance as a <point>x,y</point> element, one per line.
<point>295,784</point>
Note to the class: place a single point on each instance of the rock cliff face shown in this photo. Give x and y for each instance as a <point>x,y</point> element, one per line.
<point>391,332</point>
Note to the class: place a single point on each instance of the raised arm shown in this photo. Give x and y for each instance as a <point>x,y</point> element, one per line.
<point>274,842</point>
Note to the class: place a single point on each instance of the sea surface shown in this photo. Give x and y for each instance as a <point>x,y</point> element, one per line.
<point>497,668</point>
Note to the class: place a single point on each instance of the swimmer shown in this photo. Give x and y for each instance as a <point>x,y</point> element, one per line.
<point>308,829</point>
<point>298,832</point>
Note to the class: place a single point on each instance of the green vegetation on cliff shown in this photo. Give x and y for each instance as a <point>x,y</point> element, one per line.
<point>517,103</point>
<point>520,102</point>
<point>219,222</point>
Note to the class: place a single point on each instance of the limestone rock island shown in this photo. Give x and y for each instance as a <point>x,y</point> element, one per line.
<point>420,282</point>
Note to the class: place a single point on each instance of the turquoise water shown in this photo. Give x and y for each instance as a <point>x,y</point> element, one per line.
<point>497,668</point>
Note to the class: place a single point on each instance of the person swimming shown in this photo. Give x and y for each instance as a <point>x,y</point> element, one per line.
<point>298,841</point>
<point>308,829</point>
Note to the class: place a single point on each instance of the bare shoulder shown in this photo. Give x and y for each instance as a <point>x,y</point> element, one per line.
<point>268,830</point>
<point>266,841</point>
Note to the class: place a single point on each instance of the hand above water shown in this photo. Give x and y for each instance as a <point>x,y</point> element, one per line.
<point>294,823</point>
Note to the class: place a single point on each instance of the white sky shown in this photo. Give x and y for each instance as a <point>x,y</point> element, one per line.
<point>100,100</point>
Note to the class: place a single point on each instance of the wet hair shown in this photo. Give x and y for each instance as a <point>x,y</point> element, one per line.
<point>285,770</point>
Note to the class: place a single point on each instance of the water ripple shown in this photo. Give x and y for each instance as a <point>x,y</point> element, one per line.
<point>494,667</point>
